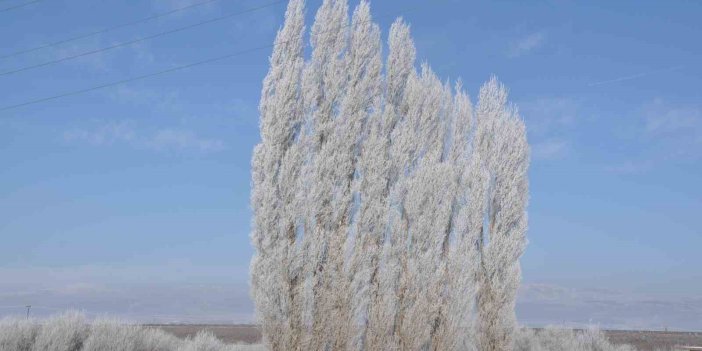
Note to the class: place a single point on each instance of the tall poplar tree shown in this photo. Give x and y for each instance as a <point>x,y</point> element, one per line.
<point>389,214</point>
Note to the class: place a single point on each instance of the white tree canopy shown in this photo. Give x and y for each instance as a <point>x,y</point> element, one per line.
<point>389,214</point>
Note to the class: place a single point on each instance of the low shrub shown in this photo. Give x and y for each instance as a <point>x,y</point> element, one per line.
<point>556,339</point>
<point>71,331</point>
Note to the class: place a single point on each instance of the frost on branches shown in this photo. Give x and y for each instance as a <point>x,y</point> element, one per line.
<point>389,212</point>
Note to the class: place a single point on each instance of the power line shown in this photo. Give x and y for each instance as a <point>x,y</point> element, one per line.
<point>109,29</point>
<point>178,68</point>
<point>142,39</point>
<point>145,76</point>
<point>18,6</point>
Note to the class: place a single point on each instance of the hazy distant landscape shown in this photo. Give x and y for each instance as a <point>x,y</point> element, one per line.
<point>211,301</point>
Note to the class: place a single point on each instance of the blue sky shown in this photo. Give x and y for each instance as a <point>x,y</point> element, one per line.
<point>133,200</point>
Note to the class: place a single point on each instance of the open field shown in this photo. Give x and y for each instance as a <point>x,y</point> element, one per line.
<point>642,340</point>
<point>651,340</point>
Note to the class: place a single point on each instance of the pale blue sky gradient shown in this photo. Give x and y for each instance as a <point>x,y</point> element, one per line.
<point>117,200</point>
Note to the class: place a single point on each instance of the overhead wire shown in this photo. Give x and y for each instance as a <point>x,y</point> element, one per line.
<point>178,68</point>
<point>158,73</point>
<point>19,6</point>
<point>130,42</point>
<point>108,29</point>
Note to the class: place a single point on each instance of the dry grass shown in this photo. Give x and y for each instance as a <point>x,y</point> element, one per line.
<point>654,340</point>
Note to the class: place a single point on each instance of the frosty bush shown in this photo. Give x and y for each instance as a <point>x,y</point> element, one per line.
<point>17,334</point>
<point>554,339</point>
<point>72,332</point>
<point>106,335</point>
<point>389,212</point>
<point>64,332</point>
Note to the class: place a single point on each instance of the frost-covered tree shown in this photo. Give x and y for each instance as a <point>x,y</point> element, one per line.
<point>323,85</point>
<point>389,213</point>
<point>273,283</point>
<point>501,140</point>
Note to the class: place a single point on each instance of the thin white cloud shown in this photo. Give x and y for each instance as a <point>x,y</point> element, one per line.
<point>676,130</point>
<point>87,54</point>
<point>549,149</point>
<point>664,132</point>
<point>180,139</point>
<point>630,167</point>
<point>546,115</point>
<point>107,134</point>
<point>664,120</point>
<point>526,44</point>
<point>548,121</point>
<point>143,54</point>
<point>634,76</point>
<point>165,139</point>
<point>99,61</point>
<point>161,101</point>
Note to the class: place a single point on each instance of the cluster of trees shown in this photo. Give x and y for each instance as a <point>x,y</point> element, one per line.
<point>389,211</point>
